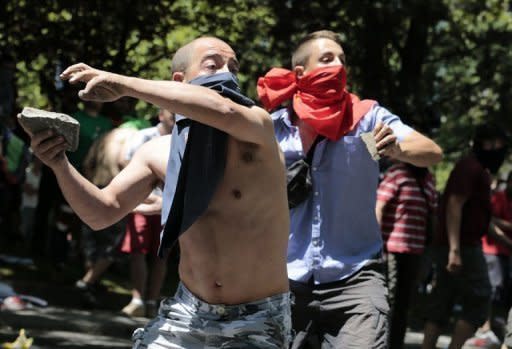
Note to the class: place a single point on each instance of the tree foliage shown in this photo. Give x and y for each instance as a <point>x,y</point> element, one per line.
<point>442,65</point>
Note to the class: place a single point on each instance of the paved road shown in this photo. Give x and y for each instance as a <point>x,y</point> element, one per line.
<point>58,327</point>
<point>54,327</point>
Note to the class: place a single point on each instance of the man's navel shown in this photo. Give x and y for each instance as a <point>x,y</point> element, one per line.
<point>237,194</point>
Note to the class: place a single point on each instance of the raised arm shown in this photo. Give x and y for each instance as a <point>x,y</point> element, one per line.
<point>196,102</point>
<point>98,208</point>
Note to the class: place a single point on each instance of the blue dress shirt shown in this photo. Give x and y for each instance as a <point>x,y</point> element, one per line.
<point>335,232</point>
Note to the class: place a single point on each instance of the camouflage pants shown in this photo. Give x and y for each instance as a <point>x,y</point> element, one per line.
<point>184,321</point>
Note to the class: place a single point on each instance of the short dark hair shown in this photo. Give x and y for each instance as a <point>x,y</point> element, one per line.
<point>301,55</point>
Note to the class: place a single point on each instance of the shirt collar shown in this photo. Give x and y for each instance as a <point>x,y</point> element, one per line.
<point>283,116</point>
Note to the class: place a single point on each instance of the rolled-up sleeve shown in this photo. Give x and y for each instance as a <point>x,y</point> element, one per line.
<point>383,115</point>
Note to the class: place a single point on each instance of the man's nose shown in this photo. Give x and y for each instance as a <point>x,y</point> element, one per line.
<point>336,61</point>
<point>223,69</point>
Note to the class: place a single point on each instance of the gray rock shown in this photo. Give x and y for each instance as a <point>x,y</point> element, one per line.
<point>369,140</point>
<point>36,120</point>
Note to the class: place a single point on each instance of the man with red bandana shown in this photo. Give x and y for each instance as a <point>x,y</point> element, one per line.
<point>335,244</point>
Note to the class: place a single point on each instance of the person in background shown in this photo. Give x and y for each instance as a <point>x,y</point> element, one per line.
<point>14,159</point>
<point>497,244</point>
<point>67,225</point>
<point>406,201</point>
<point>100,248</point>
<point>30,198</point>
<point>142,236</point>
<point>464,217</point>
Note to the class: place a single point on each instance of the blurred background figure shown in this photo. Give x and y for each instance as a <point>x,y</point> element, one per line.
<point>14,158</point>
<point>142,236</point>
<point>497,244</point>
<point>100,248</point>
<point>14,154</point>
<point>406,203</point>
<point>30,198</point>
<point>465,215</point>
<point>65,230</point>
<point>122,113</point>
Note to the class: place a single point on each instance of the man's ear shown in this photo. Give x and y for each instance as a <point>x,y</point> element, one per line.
<point>178,76</point>
<point>299,70</point>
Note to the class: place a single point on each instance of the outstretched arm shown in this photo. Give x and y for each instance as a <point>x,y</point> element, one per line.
<point>196,102</point>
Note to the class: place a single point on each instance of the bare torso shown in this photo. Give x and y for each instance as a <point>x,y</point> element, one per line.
<point>236,251</point>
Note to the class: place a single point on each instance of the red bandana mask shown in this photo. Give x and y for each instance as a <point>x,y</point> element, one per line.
<point>319,98</point>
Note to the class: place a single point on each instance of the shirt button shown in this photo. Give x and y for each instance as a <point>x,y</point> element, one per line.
<point>316,193</point>
<point>315,168</point>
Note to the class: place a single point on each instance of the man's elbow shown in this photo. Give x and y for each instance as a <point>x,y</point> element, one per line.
<point>429,155</point>
<point>103,218</point>
<point>437,153</point>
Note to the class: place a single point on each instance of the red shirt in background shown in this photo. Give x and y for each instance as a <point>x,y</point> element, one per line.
<point>405,211</point>
<point>469,178</point>
<point>501,208</point>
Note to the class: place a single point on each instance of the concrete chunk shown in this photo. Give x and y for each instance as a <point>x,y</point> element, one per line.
<point>36,120</point>
<point>369,140</point>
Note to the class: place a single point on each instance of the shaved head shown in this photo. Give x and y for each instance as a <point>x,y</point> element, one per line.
<point>183,57</point>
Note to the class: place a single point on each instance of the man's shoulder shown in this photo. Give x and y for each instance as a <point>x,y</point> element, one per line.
<point>260,112</point>
<point>154,153</point>
<point>157,143</point>
<point>368,121</point>
<point>469,164</point>
<point>467,170</point>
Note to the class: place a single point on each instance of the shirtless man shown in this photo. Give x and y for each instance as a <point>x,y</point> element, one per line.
<point>234,287</point>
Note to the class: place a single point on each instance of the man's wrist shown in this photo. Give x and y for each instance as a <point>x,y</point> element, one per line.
<point>454,250</point>
<point>60,166</point>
